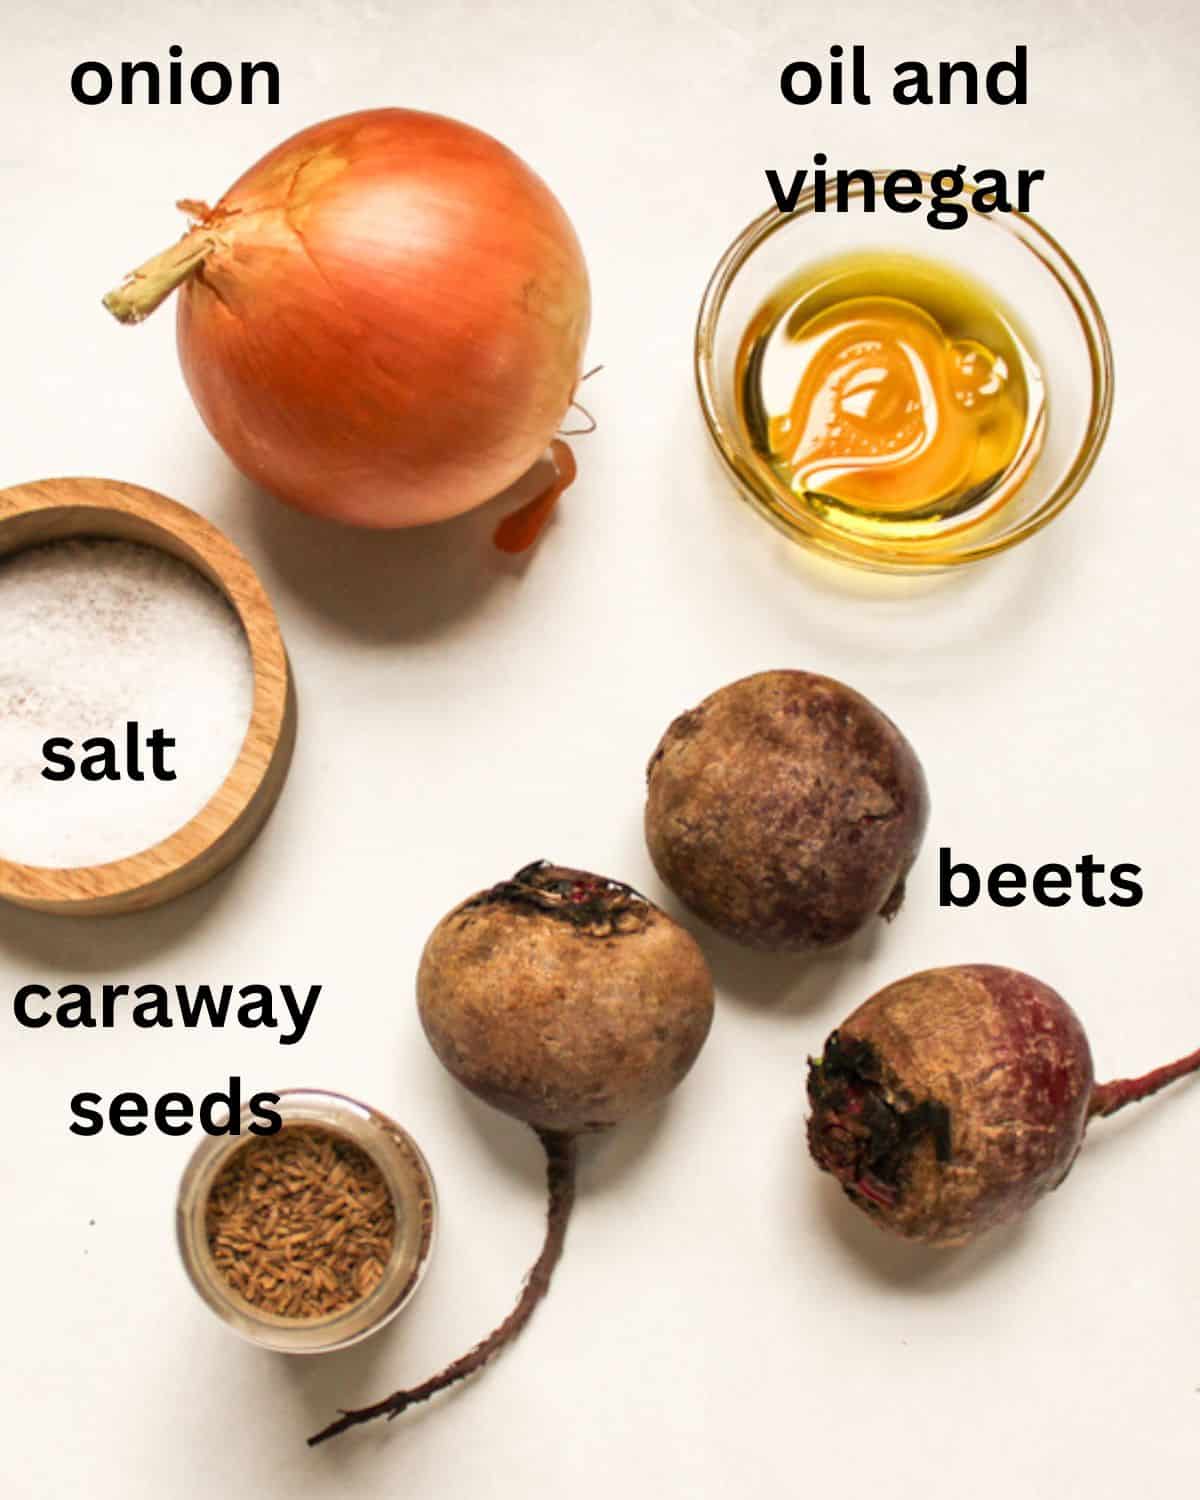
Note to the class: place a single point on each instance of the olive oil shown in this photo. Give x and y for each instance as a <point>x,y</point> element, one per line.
<point>891,396</point>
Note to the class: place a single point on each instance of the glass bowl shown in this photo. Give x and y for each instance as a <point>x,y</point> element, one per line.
<point>1025,268</point>
<point>409,1181</point>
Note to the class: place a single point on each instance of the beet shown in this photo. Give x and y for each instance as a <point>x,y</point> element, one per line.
<point>952,1100</point>
<point>786,811</point>
<point>570,1002</point>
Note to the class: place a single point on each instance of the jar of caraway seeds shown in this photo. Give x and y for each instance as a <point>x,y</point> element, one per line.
<point>313,1237</point>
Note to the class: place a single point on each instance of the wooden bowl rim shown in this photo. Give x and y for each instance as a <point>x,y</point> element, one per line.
<point>34,514</point>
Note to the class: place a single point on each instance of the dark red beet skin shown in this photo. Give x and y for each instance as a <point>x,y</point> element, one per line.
<point>786,811</point>
<point>952,1100</point>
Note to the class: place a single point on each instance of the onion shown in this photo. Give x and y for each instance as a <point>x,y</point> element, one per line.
<point>382,321</point>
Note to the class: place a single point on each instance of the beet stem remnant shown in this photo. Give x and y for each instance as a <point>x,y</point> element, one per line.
<point>1108,1098</point>
<point>560,1191</point>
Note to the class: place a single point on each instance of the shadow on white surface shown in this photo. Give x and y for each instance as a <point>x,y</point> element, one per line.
<point>605,1157</point>
<point>792,983</point>
<point>905,1266</point>
<point>320,1388</point>
<point>1111,1133</point>
<point>111,944</point>
<point>1002,598</point>
<point>387,585</point>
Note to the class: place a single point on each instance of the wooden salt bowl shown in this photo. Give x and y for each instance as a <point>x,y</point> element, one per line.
<point>53,510</point>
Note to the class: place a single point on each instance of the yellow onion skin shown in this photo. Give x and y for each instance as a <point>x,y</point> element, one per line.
<point>390,325</point>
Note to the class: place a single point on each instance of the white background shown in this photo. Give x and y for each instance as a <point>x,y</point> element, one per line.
<point>723,1322</point>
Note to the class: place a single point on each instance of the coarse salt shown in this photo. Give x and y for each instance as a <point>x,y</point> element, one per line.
<point>98,634</point>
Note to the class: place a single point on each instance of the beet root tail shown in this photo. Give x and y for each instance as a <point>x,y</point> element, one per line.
<point>560,1191</point>
<point>1108,1098</point>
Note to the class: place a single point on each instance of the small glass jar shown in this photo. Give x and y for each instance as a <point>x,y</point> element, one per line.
<point>408,1179</point>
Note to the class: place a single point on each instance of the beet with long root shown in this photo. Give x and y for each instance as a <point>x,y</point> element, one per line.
<point>786,811</point>
<point>952,1100</point>
<point>570,1002</point>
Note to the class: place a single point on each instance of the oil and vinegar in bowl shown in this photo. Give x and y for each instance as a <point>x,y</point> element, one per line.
<point>890,396</point>
<point>900,398</point>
